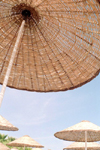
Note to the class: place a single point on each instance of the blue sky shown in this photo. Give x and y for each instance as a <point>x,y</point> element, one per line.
<point>40,115</point>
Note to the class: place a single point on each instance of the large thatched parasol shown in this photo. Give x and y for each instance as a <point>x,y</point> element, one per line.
<point>3,147</point>
<point>51,45</point>
<point>6,125</point>
<point>81,132</point>
<point>81,146</point>
<point>25,141</point>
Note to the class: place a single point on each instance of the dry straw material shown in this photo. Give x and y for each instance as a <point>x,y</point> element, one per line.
<point>60,46</point>
<point>6,125</point>
<point>3,147</point>
<point>77,132</point>
<point>25,141</point>
<point>81,146</point>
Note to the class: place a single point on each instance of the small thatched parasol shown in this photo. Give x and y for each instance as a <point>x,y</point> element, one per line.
<point>25,141</point>
<point>50,45</point>
<point>3,147</point>
<point>81,146</point>
<point>83,131</point>
<point>6,125</point>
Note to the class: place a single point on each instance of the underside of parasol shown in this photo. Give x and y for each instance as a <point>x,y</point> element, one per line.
<point>60,46</point>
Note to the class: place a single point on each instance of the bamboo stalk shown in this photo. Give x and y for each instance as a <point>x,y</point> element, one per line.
<point>11,61</point>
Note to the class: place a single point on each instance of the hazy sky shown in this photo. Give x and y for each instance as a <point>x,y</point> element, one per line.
<point>40,115</point>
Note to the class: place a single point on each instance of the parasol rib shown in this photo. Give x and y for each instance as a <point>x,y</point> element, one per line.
<point>11,61</point>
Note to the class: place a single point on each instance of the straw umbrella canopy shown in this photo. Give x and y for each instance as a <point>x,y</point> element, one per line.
<point>77,132</point>
<point>3,147</point>
<point>6,125</point>
<point>25,141</point>
<point>81,146</point>
<point>56,44</point>
<point>84,131</point>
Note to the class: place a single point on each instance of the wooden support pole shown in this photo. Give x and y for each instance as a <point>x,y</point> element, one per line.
<point>24,147</point>
<point>11,61</point>
<point>85,140</point>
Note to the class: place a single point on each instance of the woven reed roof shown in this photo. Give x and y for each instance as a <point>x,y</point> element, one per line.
<point>77,132</point>
<point>60,46</point>
<point>3,147</point>
<point>6,125</point>
<point>81,146</point>
<point>25,141</point>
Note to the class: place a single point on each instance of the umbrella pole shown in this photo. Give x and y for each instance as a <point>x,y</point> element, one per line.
<point>11,61</point>
<point>24,147</point>
<point>85,140</point>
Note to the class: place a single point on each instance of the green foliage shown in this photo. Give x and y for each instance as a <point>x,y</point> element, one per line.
<point>10,139</point>
<point>26,148</point>
<point>3,138</point>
